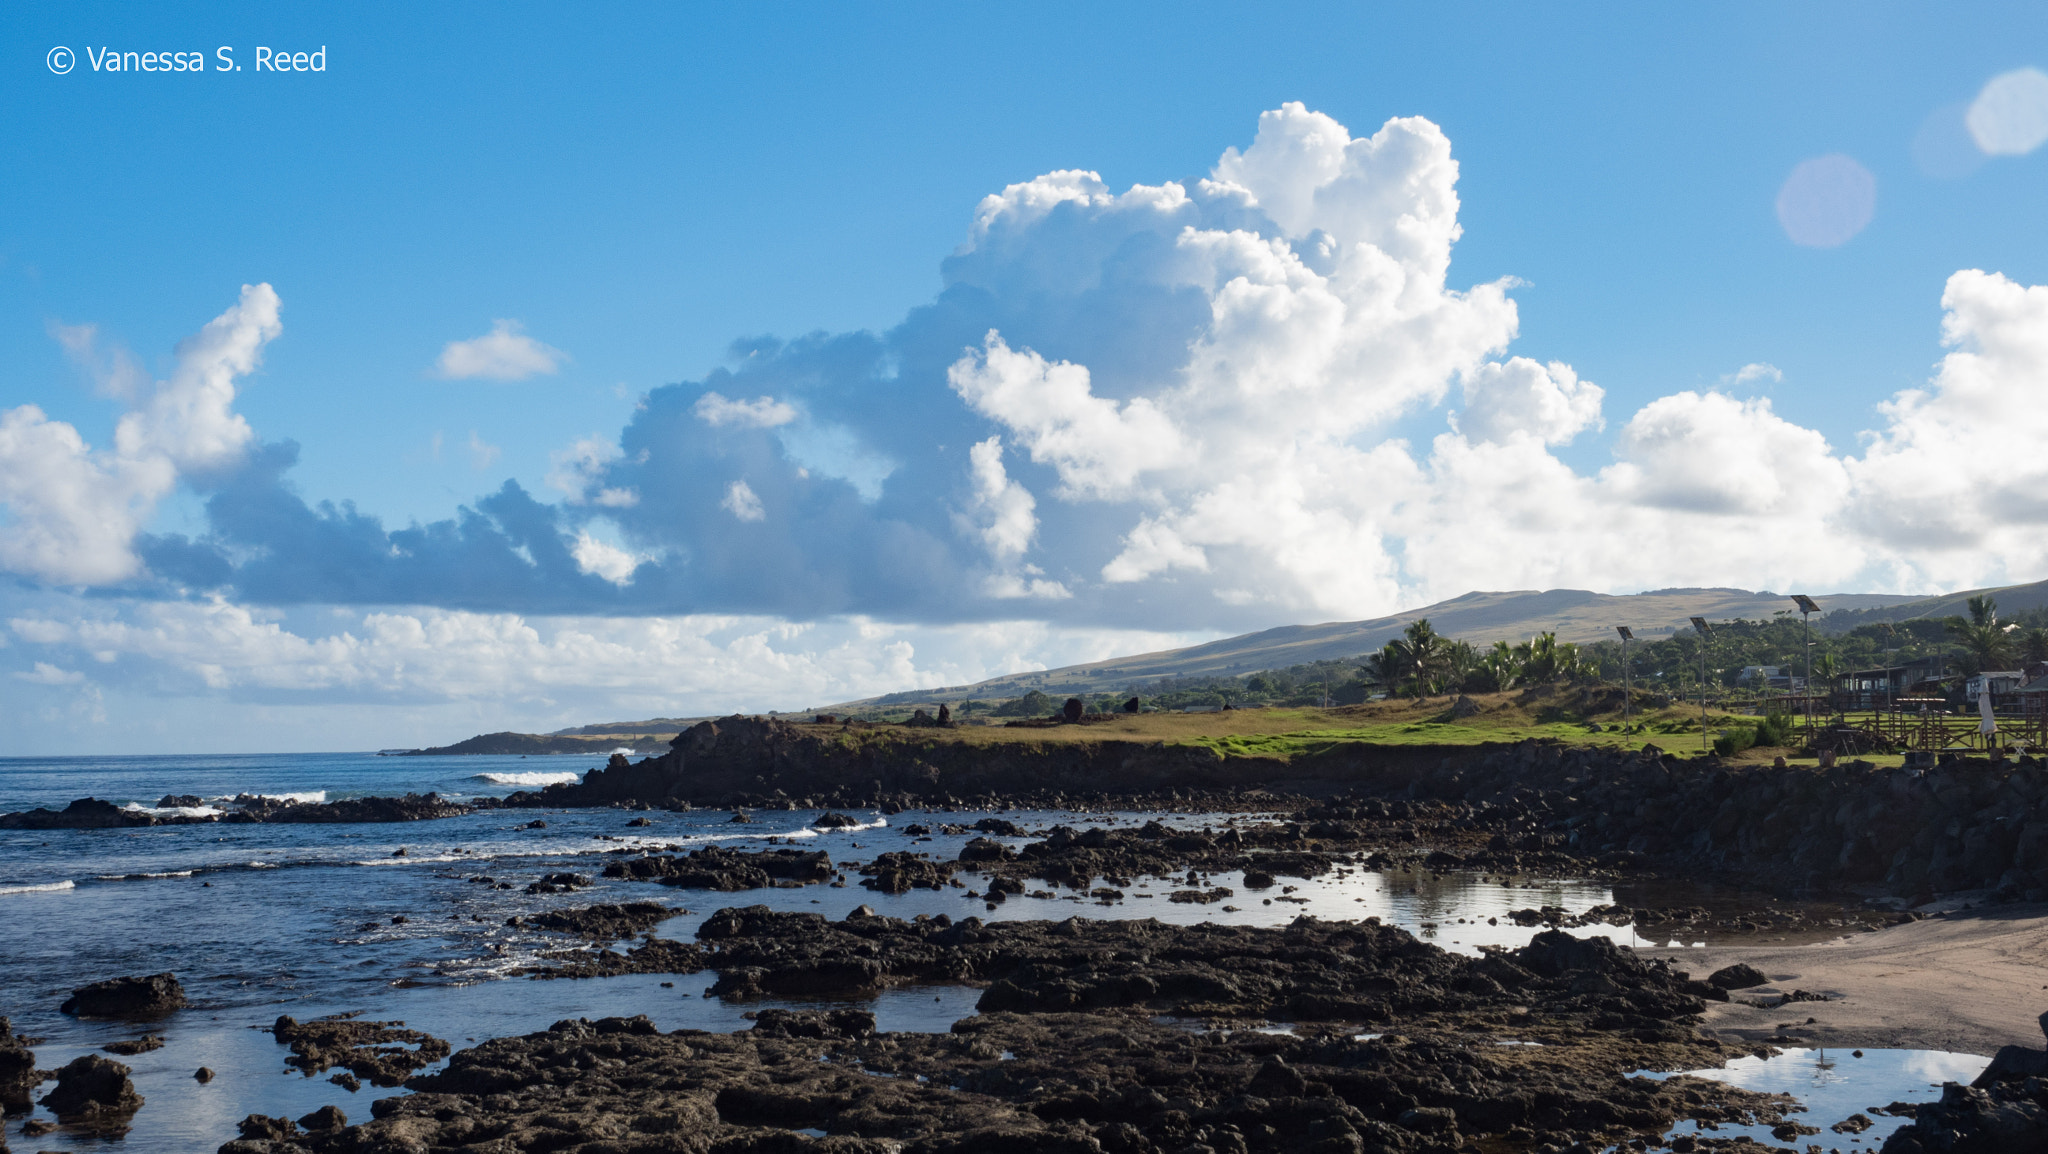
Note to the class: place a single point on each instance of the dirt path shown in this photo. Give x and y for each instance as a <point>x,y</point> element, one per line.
<point>1966,982</point>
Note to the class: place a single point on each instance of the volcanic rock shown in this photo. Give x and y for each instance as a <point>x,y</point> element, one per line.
<point>94,1091</point>
<point>385,1053</point>
<point>150,997</point>
<point>18,1077</point>
<point>604,922</point>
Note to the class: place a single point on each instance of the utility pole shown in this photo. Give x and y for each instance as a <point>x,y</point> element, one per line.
<point>1807,606</point>
<point>1699,625</point>
<point>1628,712</point>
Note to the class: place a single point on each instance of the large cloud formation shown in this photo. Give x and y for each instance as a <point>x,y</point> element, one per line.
<point>1168,408</point>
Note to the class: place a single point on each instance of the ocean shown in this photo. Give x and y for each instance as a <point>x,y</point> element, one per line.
<point>258,920</point>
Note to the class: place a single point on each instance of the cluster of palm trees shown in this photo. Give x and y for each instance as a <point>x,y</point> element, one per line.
<point>1992,646</point>
<point>1425,663</point>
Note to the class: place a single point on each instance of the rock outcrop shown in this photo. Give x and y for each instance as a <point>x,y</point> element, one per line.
<point>150,997</point>
<point>18,1077</point>
<point>94,1092</point>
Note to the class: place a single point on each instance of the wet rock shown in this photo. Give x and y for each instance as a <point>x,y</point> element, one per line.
<point>1740,976</point>
<point>150,997</point>
<point>725,870</point>
<point>411,807</point>
<point>385,1053</point>
<point>325,1118</point>
<point>2005,1118</point>
<point>834,821</point>
<point>85,813</point>
<point>180,801</point>
<point>142,1045</point>
<point>899,872</point>
<point>603,922</point>
<point>560,883</point>
<point>655,956</point>
<point>202,1075</point>
<point>1030,1083</point>
<point>93,1091</point>
<point>18,1077</point>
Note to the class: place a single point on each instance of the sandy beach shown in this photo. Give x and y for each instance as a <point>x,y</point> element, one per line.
<point>1965,981</point>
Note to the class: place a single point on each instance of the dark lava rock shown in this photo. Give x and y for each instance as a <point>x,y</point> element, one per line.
<point>18,1077</point>
<point>1076,1083</point>
<point>604,922</point>
<point>142,1045</point>
<point>726,870</point>
<point>899,872</point>
<point>85,813</point>
<point>834,821</point>
<point>150,997</point>
<point>180,801</point>
<point>560,883</point>
<point>325,1118</point>
<point>385,1053</point>
<point>202,1075</point>
<point>93,1090</point>
<point>411,807</point>
<point>1740,976</point>
<point>2011,1063</point>
<point>654,956</point>
<point>2005,1118</point>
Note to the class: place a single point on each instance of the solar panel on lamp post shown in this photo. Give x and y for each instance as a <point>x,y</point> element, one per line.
<point>1706,632</point>
<point>1807,606</point>
<point>1628,713</point>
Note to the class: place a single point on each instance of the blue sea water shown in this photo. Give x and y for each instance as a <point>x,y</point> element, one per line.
<point>259,920</point>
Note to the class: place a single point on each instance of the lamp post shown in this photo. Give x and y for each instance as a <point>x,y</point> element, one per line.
<point>1628,712</point>
<point>1807,606</point>
<point>1699,625</point>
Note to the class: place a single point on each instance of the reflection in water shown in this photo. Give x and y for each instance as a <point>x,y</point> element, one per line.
<point>1833,1084</point>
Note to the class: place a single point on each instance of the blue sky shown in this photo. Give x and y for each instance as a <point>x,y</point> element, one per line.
<point>779,207</point>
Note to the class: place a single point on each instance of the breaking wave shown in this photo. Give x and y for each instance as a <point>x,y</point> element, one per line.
<point>528,778</point>
<point>46,888</point>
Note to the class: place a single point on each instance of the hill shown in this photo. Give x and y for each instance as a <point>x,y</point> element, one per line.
<point>1479,617</point>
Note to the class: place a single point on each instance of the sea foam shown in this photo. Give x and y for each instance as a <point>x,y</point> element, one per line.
<point>528,778</point>
<point>46,888</point>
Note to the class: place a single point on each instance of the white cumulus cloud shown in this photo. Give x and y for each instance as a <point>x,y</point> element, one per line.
<point>70,511</point>
<point>741,502</point>
<point>505,353</point>
<point>578,473</point>
<point>759,413</point>
<point>603,559</point>
<point>1547,402</point>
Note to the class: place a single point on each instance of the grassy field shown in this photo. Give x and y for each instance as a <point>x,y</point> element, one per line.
<point>1566,716</point>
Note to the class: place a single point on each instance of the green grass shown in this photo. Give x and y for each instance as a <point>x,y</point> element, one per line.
<point>1298,743</point>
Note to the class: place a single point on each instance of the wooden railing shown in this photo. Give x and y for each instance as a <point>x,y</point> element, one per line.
<point>1898,731</point>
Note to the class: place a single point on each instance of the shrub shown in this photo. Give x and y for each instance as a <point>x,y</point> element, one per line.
<point>1775,729</point>
<point>1734,741</point>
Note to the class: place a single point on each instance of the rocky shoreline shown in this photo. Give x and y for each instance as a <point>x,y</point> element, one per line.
<point>1070,1051</point>
<point>1133,1035</point>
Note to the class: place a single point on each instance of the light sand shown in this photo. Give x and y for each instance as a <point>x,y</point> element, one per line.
<point>1967,982</point>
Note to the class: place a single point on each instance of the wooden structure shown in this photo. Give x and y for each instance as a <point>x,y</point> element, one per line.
<point>1921,723</point>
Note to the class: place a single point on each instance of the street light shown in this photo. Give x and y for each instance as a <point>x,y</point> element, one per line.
<point>1700,626</point>
<point>1807,606</point>
<point>1628,713</point>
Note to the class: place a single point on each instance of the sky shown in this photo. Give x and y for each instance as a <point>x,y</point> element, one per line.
<point>516,366</point>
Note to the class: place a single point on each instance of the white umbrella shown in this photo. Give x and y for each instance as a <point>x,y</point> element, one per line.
<point>1986,724</point>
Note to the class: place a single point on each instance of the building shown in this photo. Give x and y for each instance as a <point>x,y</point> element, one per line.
<point>2003,684</point>
<point>1769,677</point>
<point>1875,688</point>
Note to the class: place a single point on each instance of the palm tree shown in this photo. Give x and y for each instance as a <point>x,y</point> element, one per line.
<point>2034,644</point>
<point>1989,646</point>
<point>1416,660</point>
